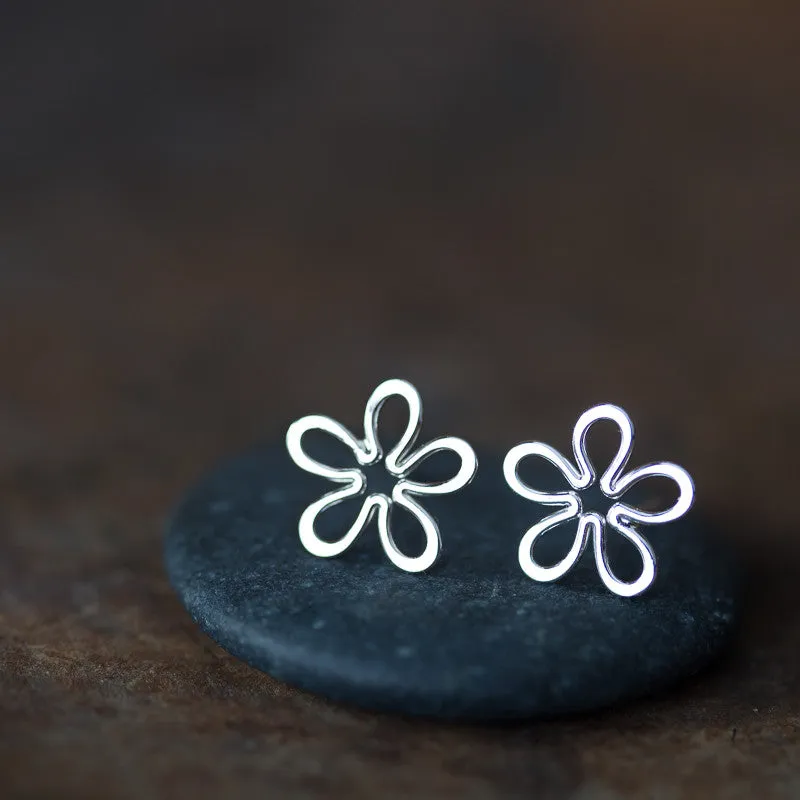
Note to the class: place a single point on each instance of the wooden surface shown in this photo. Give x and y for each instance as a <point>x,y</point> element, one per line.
<point>213,221</point>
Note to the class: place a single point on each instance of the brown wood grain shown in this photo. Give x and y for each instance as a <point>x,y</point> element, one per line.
<point>212,221</point>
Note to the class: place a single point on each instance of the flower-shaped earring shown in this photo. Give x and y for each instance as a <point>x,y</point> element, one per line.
<point>621,517</point>
<point>399,461</point>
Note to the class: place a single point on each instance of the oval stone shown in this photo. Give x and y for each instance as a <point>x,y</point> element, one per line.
<point>473,638</point>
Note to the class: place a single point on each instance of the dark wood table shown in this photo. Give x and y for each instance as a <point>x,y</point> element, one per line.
<point>213,219</point>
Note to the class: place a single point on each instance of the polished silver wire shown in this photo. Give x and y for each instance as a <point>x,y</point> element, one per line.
<point>399,462</point>
<point>620,517</point>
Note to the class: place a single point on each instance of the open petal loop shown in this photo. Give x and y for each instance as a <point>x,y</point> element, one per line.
<point>616,415</point>
<point>308,535</point>
<point>663,470</point>
<point>294,444</point>
<point>648,573</point>
<point>371,444</point>
<point>433,542</point>
<point>466,470</point>
<point>577,479</point>
<point>536,571</point>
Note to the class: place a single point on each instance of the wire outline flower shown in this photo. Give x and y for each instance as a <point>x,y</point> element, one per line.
<point>621,517</point>
<point>399,461</point>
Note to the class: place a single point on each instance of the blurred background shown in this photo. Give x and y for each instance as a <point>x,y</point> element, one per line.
<point>215,218</point>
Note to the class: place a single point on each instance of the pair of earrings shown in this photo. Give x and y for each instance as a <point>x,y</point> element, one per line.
<point>401,460</point>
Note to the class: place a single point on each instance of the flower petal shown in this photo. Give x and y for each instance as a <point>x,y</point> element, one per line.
<point>325,549</point>
<point>537,571</point>
<point>575,478</point>
<point>661,470</point>
<point>433,542</point>
<point>466,471</point>
<point>382,393</point>
<point>294,444</point>
<point>645,551</point>
<point>585,421</point>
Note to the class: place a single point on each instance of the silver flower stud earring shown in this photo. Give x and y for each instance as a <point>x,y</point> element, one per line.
<point>399,462</point>
<point>620,517</point>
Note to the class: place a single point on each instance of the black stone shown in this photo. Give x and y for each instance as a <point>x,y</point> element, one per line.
<point>474,638</point>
